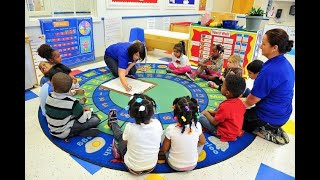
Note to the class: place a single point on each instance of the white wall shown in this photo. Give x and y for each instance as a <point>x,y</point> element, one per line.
<point>285,18</point>
<point>221,5</point>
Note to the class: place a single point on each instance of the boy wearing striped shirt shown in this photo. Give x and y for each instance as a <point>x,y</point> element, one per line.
<point>65,115</point>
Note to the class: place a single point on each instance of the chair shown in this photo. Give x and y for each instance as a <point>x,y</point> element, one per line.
<point>137,34</point>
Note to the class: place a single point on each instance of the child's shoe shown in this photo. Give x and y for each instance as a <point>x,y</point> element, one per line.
<point>114,148</point>
<point>112,117</point>
<point>169,70</point>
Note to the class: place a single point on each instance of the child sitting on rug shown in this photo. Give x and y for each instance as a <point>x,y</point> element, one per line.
<point>138,145</point>
<point>65,115</point>
<point>49,69</point>
<point>180,63</point>
<point>184,140</point>
<point>212,65</point>
<point>46,88</point>
<point>233,67</point>
<point>226,121</point>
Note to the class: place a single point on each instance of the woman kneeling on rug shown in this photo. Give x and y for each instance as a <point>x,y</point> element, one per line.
<point>121,59</point>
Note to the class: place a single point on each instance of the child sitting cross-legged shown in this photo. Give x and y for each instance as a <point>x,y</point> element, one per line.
<point>65,115</point>
<point>138,145</point>
<point>227,120</point>
<point>180,63</point>
<point>184,140</point>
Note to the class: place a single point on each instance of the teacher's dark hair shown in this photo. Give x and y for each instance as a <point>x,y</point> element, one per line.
<point>280,38</point>
<point>137,47</point>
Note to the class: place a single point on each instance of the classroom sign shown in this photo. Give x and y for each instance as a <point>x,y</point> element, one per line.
<point>72,37</point>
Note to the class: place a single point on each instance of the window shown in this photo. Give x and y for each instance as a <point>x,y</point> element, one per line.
<point>58,8</point>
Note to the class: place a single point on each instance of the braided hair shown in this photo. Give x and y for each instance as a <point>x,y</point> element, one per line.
<point>186,111</point>
<point>141,108</point>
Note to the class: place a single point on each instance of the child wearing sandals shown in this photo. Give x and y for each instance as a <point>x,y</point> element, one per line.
<point>227,120</point>
<point>138,145</point>
<point>65,115</point>
<point>184,140</point>
<point>180,63</point>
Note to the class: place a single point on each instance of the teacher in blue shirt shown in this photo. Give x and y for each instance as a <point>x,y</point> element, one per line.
<point>272,91</point>
<point>121,59</point>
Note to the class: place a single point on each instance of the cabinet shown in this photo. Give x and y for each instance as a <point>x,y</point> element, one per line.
<point>244,43</point>
<point>30,72</point>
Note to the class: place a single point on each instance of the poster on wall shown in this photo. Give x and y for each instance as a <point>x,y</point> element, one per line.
<point>180,4</point>
<point>202,5</point>
<point>245,44</point>
<point>136,4</point>
<point>72,37</point>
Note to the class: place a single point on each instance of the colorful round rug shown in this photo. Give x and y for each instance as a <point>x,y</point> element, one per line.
<point>97,150</point>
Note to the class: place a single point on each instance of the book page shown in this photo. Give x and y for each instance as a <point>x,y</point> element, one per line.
<point>138,86</point>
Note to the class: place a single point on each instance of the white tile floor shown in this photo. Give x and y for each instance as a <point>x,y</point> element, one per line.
<point>44,160</point>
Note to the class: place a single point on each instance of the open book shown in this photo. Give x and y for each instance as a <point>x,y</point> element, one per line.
<point>138,86</point>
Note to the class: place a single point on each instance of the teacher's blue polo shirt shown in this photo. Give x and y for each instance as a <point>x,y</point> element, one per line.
<point>274,85</point>
<point>119,52</point>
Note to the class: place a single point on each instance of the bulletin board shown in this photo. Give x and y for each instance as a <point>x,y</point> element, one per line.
<point>245,44</point>
<point>72,37</point>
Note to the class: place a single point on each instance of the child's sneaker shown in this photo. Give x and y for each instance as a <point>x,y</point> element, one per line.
<point>169,70</point>
<point>112,117</point>
<point>115,149</point>
<point>190,76</point>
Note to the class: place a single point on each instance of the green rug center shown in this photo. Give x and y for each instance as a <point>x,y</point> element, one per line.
<point>163,93</point>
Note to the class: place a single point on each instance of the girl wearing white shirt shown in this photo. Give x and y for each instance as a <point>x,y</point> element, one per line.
<point>138,145</point>
<point>180,63</point>
<point>184,140</point>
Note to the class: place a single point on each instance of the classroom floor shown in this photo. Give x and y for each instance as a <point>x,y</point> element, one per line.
<point>260,160</point>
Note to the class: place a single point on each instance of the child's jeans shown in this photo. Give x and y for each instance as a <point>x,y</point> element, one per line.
<point>206,124</point>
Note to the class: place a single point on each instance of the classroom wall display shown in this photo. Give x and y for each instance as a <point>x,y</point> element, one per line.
<point>202,5</point>
<point>246,44</point>
<point>140,4</point>
<point>72,37</point>
<point>180,4</point>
